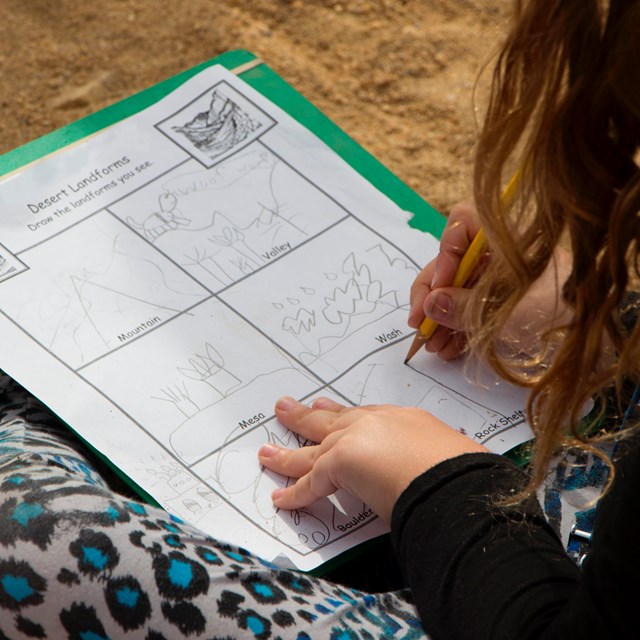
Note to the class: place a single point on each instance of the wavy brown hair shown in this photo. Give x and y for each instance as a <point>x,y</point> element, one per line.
<point>564,108</point>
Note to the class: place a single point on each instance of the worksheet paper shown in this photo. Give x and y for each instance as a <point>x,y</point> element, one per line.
<point>165,281</point>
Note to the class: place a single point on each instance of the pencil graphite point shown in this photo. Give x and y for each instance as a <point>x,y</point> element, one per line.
<point>424,332</point>
<point>418,340</point>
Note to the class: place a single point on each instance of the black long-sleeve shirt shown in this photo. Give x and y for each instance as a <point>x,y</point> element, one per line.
<point>478,571</point>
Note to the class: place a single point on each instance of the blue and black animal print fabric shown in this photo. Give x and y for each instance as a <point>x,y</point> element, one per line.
<point>79,560</point>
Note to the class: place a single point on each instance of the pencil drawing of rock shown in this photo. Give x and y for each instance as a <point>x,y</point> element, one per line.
<point>220,128</point>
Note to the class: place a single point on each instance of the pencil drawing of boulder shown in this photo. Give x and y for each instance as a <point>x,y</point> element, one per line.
<point>221,128</point>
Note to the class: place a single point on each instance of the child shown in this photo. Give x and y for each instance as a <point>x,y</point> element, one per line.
<point>479,557</point>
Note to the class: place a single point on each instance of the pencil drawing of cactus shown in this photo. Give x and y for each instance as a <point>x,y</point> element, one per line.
<point>300,326</point>
<point>232,238</point>
<point>179,397</point>
<point>200,258</point>
<point>210,369</point>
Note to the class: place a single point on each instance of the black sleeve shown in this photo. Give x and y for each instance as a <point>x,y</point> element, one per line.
<point>480,572</point>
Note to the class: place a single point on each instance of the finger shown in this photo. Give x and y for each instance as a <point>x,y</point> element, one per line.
<point>309,422</point>
<point>444,306</point>
<point>327,404</point>
<point>454,347</point>
<point>420,288</point>
<point>305,491</point>
<point>459,231</point>
<point>461,228</point>
<point>288,462</point>
<point>438,340</point>
<point>350,413</point>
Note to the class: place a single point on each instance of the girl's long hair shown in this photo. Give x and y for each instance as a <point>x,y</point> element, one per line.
<point>564,109</point>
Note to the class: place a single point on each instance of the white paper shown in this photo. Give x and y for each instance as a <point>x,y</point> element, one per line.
<point>164,282</point>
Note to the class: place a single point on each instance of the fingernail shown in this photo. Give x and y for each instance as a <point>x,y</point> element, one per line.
<point>286,403</point>
<point>321,403</point>
<point>277,494</point>
<point>268,451</point>
<point>439,305</point>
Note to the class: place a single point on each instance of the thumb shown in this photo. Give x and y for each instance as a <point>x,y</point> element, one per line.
<point>444,305</point>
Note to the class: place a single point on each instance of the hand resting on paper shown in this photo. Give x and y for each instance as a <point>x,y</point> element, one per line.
<point>432,294</point>
<point>373,452</point>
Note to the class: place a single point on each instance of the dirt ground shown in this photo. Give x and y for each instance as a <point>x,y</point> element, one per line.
<point>396,75</point>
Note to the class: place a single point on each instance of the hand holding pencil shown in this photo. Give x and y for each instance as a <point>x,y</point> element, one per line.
<point>438,292</point>
<point>462,245</point>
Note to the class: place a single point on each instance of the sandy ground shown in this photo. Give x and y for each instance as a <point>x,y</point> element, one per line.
<point>396,75</point>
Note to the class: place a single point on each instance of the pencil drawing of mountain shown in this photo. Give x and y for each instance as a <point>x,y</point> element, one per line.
<point>220,128</point>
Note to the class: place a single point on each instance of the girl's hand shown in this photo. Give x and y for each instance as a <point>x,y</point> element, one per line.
<point>372,452</point>
<point>432,295</point>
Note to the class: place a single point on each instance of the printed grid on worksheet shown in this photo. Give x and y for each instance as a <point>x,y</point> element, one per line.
<point>189,301</point>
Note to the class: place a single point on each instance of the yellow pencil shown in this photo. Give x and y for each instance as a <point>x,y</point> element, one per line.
<point>466,267</point>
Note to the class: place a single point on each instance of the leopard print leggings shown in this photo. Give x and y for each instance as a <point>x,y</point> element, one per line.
<point>81,560</point>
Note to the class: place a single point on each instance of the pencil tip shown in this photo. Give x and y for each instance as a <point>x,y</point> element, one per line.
<point>418,341</point>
